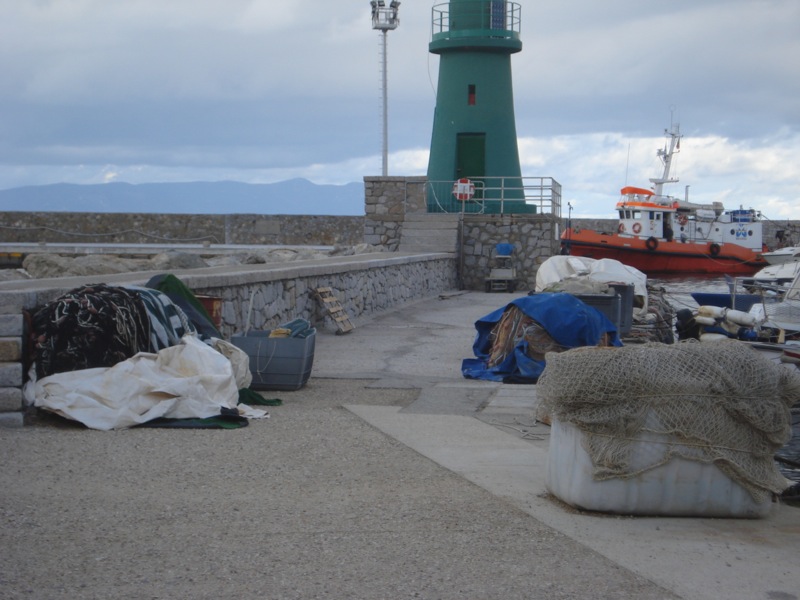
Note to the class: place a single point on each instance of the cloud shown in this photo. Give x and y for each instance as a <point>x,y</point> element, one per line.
<point>254,91</point>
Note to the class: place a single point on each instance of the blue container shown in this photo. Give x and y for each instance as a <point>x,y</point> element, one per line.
<point>504,249</point>
<point>279,363</point>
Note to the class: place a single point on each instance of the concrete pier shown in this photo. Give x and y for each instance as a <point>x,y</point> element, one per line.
<point>388,475</point>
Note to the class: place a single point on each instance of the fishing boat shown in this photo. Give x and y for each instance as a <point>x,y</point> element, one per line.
<point>739,300</point>
<point>774,325</point>
<point>777,277</point>
<point>783,255</point>
<point>659,234</point>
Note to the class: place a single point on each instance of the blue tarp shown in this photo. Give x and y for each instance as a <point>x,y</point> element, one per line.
<point>570,322</point>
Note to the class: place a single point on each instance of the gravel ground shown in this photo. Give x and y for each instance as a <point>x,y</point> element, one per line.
<point>310,503</point>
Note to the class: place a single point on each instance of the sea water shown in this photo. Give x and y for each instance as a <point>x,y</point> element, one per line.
<point>678,292</point>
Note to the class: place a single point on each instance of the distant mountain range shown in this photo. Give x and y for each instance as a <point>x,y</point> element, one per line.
<point>292,197</point>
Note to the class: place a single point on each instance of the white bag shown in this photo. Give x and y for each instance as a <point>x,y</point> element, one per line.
<point>188,380</point>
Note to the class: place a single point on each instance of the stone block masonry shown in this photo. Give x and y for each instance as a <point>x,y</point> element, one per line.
<point>535,237</point>
<point>386,202</point>
<point>532,236</point>
<point>11,345</point>
<point>264,299</point>
<point>144,228</point>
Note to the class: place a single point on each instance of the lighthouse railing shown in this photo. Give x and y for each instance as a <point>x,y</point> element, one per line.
<point>468,18</point>
<point>496,195</point>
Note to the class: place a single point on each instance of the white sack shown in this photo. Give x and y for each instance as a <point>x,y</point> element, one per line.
<point>595,272</point>
<point>189,380</point>
<point>239,359</point>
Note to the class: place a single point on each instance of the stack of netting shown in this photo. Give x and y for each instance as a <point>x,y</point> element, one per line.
<point>515,327</point>
<point>720,403</point>
<point>100,325</point>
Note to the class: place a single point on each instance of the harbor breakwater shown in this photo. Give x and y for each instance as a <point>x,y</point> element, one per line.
<point>148,228</point>
<point>244,229</point>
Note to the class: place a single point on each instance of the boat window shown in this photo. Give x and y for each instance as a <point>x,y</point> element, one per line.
<point>637,214</point>
<point>622,214</point>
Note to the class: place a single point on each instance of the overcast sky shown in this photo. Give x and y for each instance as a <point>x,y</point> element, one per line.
<point>266,90</point>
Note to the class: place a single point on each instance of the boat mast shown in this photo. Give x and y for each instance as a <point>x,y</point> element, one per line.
<point>666,158</point>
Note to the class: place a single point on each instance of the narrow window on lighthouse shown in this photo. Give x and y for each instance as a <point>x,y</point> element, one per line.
<point>471,94</point>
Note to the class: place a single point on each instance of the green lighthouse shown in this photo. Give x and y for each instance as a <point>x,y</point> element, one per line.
<point>474,133</point>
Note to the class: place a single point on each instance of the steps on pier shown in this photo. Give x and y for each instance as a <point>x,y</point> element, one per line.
<point>430,232</point>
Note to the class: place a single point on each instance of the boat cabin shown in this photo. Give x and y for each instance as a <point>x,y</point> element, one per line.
<point>644,214</point>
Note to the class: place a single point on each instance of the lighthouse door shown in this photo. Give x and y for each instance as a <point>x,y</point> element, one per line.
<point>471,156</point>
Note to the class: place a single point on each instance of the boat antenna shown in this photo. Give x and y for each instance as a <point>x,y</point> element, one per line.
<point>666,158</point>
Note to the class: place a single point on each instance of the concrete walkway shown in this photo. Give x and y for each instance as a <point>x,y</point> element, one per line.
<point>387,476</point>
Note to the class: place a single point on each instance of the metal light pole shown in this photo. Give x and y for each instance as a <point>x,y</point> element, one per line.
<point>384,18</point>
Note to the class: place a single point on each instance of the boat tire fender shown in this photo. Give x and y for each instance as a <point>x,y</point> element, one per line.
<point>651,243</point>
<point>714,249</point>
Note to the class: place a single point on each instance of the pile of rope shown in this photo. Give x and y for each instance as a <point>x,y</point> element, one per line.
<point>514,327</point>
<point>720,403</point>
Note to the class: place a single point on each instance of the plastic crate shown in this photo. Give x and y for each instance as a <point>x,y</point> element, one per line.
<point>626,294</point>
<point>279,363</point>
<point>606,304</point>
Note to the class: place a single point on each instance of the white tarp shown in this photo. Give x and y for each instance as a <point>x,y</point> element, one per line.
<point>188,380</point>
<point>595,274</point>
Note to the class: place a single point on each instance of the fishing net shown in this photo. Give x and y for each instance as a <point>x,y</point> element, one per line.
<point>720,403</point>
<point>515,326</point>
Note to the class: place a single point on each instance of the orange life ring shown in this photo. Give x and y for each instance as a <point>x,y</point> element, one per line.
<point>621,228</point>
<point>637,227</point>
<point>683,219</point>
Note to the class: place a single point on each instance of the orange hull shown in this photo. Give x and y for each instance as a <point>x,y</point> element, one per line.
<point>659,256</point>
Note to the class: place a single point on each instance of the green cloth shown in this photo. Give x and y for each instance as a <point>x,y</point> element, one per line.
<point>181,295</point>
<point>253,398</point>
<point>228,418</point>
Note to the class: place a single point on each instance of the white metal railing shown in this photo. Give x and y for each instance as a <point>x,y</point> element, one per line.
<point>497,195</point>
<point>495,15</point>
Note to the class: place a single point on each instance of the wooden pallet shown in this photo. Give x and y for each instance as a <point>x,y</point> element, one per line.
<point>334,309</point>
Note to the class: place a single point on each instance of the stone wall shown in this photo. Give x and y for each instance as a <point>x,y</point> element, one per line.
<point>253,297</point>
<point>386,202</point>
<point>11,349</point>
<point>534,237</point>
<point>145,228</point>
<point>363,288</point>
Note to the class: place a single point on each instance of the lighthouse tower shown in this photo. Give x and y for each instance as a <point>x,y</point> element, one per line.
<point>474,133</point>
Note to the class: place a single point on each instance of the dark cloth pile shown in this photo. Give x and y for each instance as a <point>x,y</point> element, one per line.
<point>92,326</point>
<point>99,326</point>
